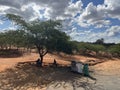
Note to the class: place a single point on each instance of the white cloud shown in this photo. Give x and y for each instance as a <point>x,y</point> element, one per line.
<point>97,15</point>
<point>34,8</point>
<point>113,31</point>
<point>58,9</point>
<point>54,9</point>
<point>3,8</point>
<point>63,11</point>
<point>28,10</point>
<point>113,8</point>
<point>112,34</point>
<point>74,8</point>
<point>1,22</point>
<point>93,15</point>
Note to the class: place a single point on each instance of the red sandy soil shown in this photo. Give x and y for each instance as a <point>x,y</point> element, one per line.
<point>109,66</point>
<point>6,63</point>
<point>49,58</point>
<point>61,59</point>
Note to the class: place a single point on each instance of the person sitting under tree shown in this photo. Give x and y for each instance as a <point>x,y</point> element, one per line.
<point>55,63</point>
<point>38,62</point>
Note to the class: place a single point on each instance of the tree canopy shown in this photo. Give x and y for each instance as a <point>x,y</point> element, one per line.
<point>45,35</point>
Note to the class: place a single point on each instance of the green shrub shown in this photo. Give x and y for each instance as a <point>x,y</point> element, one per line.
<point>115,50</point>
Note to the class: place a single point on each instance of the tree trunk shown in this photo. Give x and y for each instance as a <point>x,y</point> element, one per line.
<point>42,52</point>
<point>41,58</point>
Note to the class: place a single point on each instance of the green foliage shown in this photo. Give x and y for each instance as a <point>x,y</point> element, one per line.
<point>82,47</point>
<point>97,48</point>
<point>17,19</point>
<point>10,53</point>
<point>100,49</point>
<point>45,35</point>
<point>100,41</point>
<point>2,40</point>
<point>115,49</point>
<point>85,48</point>
<point>12,38</point>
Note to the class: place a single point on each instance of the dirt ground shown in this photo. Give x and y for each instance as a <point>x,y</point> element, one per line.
<point>49,58</point>
<point>107,74</point>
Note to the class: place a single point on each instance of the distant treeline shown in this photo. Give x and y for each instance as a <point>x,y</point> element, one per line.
<point>17,39</point>
<point>13,39</point>
<point>98,49</point>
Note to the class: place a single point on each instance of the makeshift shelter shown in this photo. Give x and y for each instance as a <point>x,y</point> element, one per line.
<point>77,66</point>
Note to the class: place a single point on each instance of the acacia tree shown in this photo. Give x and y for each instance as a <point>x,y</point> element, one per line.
<point>100,41</point>
<point>45,35</point>
<point>40,34</point>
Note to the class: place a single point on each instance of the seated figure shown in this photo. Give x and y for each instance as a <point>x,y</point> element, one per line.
<point>38,62</point>
<point>55,63</point>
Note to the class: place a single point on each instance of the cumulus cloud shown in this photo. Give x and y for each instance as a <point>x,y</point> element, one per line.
<point>59,9</point>
<point>2,9</point>
<point>83,36</point>
<point>71,13</point>
<point>74,8</point>
<point>113,31</point>
<point>93,15</point>
<point>19,7</point>
<point>112,8</point>
<point>28,12</point>
<point>52,7</point>
<point>64,10</point>
<point>97,15</point>
<point>112,34</point>
<point>55,8</point>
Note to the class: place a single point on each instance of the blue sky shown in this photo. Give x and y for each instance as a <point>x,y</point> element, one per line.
<point>83,20</point>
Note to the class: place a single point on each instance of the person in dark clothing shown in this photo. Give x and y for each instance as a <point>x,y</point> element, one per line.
<point>38,62</point>
<point>55,63</point>
<point>86,70</point>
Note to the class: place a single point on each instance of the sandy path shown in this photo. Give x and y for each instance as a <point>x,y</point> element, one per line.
<point>111,67</point>
<point>108,75</point>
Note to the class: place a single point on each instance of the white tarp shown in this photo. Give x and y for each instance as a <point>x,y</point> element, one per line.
<point>77,67</point>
